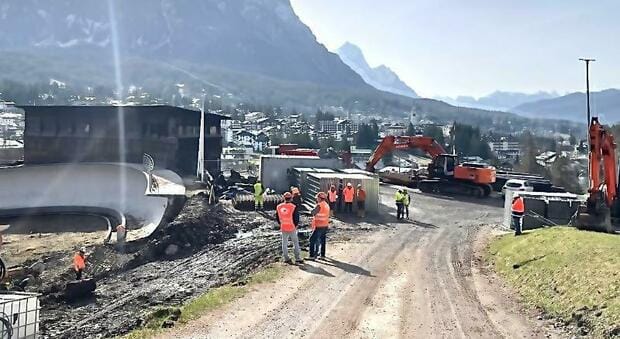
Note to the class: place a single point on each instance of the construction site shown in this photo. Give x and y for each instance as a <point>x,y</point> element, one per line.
<point>158,230</point>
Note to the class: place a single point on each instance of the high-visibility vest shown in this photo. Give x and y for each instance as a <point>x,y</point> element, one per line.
<point>285,214</point>
<point>398,197</point>
<point>361,195</point>
<point>321,219</point>
<point>332,195</point>
<point>349,193</point>
<point>406,199</point>
<point>79,262</point>
<point>518,206</point>
<point>295,191</point>
<point>258,189</point>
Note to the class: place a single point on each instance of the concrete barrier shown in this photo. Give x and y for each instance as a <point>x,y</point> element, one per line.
<point>89,185</point>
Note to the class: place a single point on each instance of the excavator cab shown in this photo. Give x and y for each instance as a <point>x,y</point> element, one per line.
<point>443,166</point>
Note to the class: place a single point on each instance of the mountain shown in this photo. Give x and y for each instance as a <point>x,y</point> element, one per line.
<point>605,104</point>
<point>380,77</point>
<point>498,100</point>
<point>263,37</point>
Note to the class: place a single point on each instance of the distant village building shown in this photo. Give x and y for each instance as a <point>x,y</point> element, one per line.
<point>258,141</point>
<point>337,127</point>
<point>66,134</point>
<point>506,150</point>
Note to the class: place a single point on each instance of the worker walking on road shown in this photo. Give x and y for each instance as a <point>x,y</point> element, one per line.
<point>332,198</point>
<point>79,263</point>
<point>398,198</point>
<point>287,216</point>
<point>518,210</point>
<point>361,201</point>
<point>349,195</point>
<point>320,223</point>
<point>406,201</point>
<point>259,190</point>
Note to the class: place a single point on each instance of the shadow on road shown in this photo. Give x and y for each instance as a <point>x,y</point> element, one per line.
<point>315,270</point>
<point>350,268</point>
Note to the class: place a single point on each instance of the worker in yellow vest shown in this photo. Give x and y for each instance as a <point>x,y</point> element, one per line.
<point>259,190</point>
<point>518,210</point>
<point>287,216</point>
<point>320,223</point>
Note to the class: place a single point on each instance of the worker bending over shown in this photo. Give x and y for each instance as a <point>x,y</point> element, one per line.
<point>287,216</point>
<point>361,201</point>
<point>79,263</point>
<point>349,195</point>
<point>320,223</point>
<point>406,201</point>
<point>398,198</point>
<point>518,210</point>
<point>259,190</point>
<point>332,199</point>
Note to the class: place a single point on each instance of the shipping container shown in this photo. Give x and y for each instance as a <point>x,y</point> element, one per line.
<point>275,170</point>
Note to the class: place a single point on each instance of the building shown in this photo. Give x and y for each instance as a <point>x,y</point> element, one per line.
<point>337,128</point>
<point>258,141</point>
<point>66,134</point>
<point>506,150</point>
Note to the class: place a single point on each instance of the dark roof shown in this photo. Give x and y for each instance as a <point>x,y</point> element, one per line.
<point>106,108</point>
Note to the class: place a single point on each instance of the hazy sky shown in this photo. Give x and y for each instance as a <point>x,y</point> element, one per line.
<point>473,47</point>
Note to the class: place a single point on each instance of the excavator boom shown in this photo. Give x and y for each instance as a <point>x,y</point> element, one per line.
<point>391,143</point>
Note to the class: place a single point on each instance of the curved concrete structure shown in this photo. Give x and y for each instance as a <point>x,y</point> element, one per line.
<point>92,186</point>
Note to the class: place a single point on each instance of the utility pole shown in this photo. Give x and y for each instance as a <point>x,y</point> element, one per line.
<point>587,61</point>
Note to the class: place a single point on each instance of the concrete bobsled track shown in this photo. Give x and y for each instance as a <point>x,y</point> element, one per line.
<point>79,188</point>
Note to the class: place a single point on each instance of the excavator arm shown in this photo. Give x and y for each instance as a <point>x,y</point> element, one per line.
<point>602,156</point>
<point>391,143</point>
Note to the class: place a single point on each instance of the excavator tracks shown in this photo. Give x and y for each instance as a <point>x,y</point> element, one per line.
<point>444,186</point>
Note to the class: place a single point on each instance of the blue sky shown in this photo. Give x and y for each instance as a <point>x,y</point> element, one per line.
<point>473,47</point>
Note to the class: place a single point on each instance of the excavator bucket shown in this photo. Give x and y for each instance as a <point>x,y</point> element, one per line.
<point>599,220</point>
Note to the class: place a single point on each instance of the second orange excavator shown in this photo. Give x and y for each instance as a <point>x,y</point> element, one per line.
<point>445,173</point>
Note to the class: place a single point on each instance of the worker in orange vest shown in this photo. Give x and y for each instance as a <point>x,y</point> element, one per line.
<point>361,201</point>
<point>320,223</point>
<point>332,199</point>
<point>287,216</point>
<point>518,210</point>
<point>349,195</point>
<point>79,263</point>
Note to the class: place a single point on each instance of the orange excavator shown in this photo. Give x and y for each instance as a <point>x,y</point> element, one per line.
<point>601,210</point>
<point>445,173</point>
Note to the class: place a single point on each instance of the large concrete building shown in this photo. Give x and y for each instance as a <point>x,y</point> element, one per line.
<point>77,134</point>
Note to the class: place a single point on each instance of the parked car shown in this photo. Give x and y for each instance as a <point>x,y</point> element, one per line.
<point>517,185</point>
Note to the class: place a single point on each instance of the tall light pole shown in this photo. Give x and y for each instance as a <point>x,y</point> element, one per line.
<point>587,61</point>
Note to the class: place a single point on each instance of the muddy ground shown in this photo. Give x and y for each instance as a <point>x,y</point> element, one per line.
<point>203,247</point>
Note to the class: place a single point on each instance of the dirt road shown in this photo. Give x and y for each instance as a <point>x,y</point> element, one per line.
<point>413,279</point>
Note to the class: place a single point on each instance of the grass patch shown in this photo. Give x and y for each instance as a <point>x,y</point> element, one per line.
<point>572,275</point>
<point>207,302</point>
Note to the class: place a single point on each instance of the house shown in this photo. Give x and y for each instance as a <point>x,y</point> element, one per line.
<point>258,141</point>
<point>395,129</point>
<point>170,135</point>
<point>506,150</point>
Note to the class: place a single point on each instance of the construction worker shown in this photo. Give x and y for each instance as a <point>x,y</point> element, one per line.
<point>518,210</point>
<point>340,196</point>
<point>398,198</point>
<point>361,201</point>
<point>79,263</point>
<point>296,197</point>
<point>259,190</point>
<point>332,198</point>
<point>287,216</point>
<point>320,223</point>
<point>406,201</point>
<point>349,196</point>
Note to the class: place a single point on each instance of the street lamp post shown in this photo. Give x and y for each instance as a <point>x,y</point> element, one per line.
<point>587,61</point>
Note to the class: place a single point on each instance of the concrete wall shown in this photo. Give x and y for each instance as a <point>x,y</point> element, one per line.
<point>96,185</point>
<point>273,168</point>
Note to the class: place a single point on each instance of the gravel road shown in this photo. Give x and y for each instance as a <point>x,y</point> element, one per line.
<point>419,278</point>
